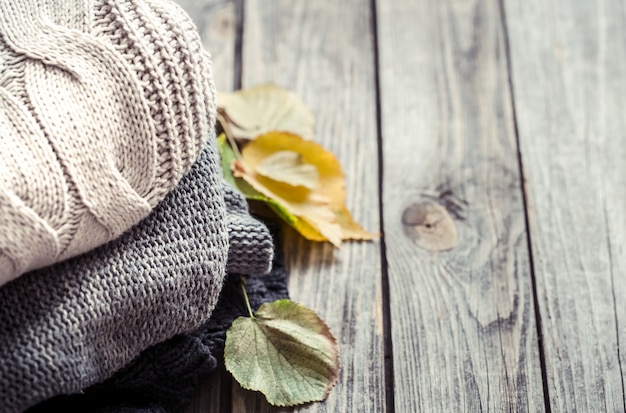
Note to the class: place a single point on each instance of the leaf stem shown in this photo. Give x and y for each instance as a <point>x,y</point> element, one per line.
<point>245,295</point>
<point>222,117</point>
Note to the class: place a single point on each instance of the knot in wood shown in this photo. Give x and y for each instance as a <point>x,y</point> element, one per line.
<point>430,226</point>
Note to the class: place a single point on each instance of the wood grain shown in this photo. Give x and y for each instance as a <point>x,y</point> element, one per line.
<point>216,21</point>
<point>569,77</point>
<point>323,50</point>
<point>463,322</point>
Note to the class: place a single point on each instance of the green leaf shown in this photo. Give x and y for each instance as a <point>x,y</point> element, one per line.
<point>285,351</point>
<point>227,155</point>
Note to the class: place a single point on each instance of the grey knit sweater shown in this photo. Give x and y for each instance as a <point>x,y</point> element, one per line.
<point>163,378</point>
<point>69,326</point>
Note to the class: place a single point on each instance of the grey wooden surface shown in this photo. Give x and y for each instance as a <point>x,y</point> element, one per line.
<point>569,78</point>
<point>496,128</point>
<point>463,324</point>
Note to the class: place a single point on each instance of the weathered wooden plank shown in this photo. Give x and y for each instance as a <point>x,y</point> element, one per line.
<point>569,76</point>
<point>323,50</point>
<point>216,21</point>
<point>463,323</point>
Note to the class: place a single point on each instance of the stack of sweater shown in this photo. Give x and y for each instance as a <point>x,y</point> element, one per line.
<point>117,231</point>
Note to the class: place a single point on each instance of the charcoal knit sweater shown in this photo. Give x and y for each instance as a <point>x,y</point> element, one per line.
<point>163,378</point>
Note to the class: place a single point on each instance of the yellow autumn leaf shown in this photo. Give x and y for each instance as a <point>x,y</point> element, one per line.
<point>288,167</point>
<point>228,157</point>
<point>321,210</point>
<point>302,202</point>
<point>349,228</point>
<point>308,231</point>
<point>251,112</point>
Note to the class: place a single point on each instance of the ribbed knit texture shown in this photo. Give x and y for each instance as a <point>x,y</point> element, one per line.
<point>163,378</point>
<point>248,247</point>
<point>71,325</point>
<point>104,105</point>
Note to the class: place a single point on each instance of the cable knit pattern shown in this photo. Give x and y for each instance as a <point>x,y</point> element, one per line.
<point>104,105</point>
<point>71,325</point>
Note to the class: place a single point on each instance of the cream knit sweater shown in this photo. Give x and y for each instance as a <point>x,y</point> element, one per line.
<point>104,105</point>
